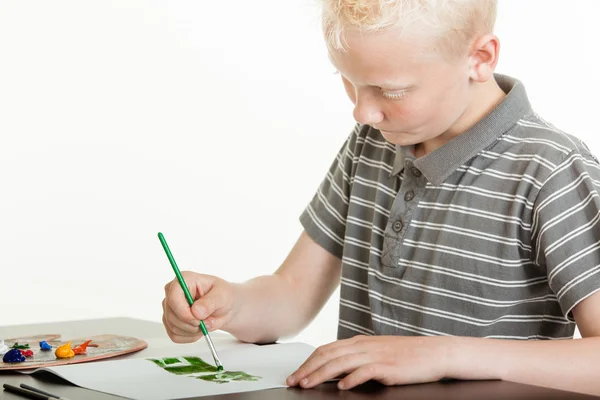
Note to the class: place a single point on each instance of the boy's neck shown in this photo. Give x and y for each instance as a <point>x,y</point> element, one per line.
<point>486,97</point>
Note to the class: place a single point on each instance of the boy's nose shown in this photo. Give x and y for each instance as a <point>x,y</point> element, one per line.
<point>366,114</point>
<point>366,109</point>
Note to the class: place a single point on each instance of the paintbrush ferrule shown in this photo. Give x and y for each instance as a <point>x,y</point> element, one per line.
<point>213,351</point>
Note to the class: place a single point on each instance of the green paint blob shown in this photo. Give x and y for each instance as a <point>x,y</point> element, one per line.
<point>212,378</point>
<point>197,368</point>
<point>229,376</point>
<point>199,362</point>
<point>160,363</point>
<point>20,346</point>
<point>189,369</point>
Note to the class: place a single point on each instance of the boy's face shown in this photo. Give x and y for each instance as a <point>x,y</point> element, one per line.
<point>410,94</point>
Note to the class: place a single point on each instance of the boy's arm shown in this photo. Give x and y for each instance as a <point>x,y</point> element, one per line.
<point>285,302</point>
<point>282,304</point>
<point>561,364</point>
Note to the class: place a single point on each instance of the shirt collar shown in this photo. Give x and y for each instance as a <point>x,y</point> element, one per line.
<point>440,163</point>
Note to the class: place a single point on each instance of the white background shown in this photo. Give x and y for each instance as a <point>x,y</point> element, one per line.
<point>211,121</point>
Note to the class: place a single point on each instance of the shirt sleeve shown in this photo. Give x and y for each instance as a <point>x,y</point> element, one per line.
<point>324,219</point>
<point>566,229</point>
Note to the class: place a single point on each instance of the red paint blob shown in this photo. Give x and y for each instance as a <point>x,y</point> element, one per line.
<point>26,353</point>
<point>81,349</point>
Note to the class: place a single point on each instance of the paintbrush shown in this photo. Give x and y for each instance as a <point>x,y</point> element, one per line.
<point>190,300</point>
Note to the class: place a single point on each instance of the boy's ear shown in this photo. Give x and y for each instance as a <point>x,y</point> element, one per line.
<point>484,57</point>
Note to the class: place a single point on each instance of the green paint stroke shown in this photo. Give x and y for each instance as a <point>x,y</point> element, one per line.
<point>199,362</point>
<point>197,368</point>
<point>229,376</point>
<point>160,363</point>
<point>189,369</point>
<point>21,346</point>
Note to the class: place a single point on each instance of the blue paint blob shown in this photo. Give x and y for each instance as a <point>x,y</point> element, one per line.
<point>45,346</point>
<point>13,356</point>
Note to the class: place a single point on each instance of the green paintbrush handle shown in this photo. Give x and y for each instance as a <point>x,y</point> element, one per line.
<point>188,296</point>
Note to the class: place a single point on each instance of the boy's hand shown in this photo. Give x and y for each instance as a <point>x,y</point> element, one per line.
<point>213,303</point>
<point>391,360</point>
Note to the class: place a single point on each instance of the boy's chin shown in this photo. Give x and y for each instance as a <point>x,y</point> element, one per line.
<point>399,138</point>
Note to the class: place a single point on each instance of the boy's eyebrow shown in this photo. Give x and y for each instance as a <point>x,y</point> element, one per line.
<point>394,85</point>
<point>387,84</point>
<point>383,84</point>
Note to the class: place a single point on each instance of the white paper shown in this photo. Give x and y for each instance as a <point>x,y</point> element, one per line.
<point>142,379</point>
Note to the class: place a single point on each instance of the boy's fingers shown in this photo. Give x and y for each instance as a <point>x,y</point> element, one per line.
<point>183,321</point>
<point>178,305</point>
<point>180,332</point>
<point>185,339</point>
<point>177,338</point>
<point>198,284</point>
<point>168,288</point>
<point>213,324</point>
<point>182,326</point>
<point>206,305</point>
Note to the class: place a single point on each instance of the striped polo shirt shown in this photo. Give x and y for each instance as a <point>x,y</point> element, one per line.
<point>495,234</point>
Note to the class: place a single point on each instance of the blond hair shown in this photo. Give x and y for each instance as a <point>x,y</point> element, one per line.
<point>449,24</point>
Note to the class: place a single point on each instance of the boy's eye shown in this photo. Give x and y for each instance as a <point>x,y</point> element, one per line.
<point>392,95</point>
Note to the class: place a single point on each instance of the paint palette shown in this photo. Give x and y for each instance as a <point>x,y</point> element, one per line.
<point>100,348</point>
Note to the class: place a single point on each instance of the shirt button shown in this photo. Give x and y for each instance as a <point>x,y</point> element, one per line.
<point>397,226</point>
<point>409,195</point>
<point>415,171</point>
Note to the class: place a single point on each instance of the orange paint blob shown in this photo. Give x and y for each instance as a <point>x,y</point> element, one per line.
<point>82,348</point>
<point>64,351</point>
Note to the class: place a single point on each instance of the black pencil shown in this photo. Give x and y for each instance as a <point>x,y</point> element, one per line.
<point>26,393</point>
<point>54,396</point>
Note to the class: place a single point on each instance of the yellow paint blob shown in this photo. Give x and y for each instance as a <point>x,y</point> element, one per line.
<point>64,351</point>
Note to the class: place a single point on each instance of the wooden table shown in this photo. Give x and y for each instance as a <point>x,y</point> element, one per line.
<point>154,333</point>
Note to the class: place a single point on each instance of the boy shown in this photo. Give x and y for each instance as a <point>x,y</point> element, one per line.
<point>458,222</point>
